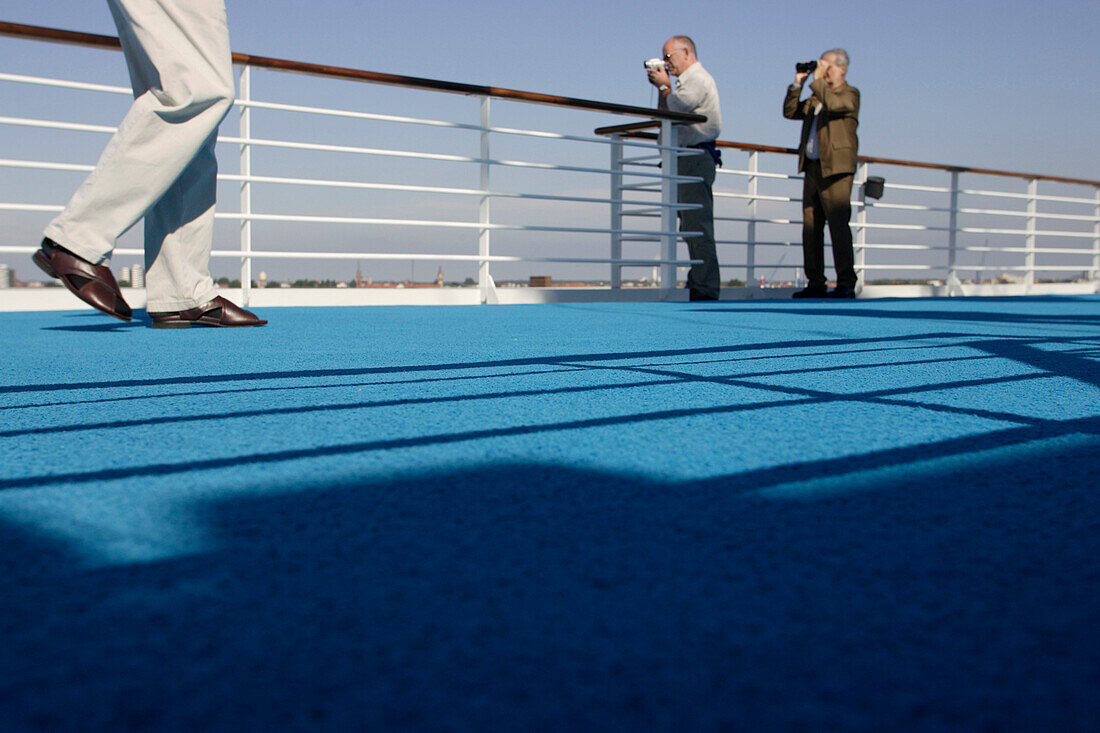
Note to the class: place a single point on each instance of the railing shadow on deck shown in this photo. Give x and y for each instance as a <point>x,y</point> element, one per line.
<point>915,588</point>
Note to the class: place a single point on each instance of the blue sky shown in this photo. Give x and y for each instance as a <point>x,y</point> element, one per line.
<point>987,84</point>
<point>1004,85</point>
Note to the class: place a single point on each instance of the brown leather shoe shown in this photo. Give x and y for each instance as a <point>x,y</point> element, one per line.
<point>218,312</point>
<point>94,284</point>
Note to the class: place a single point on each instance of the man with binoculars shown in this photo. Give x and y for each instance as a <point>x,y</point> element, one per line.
<point>827,156</point>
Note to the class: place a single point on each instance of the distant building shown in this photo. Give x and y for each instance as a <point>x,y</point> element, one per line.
<point>137,276</point>
<point>361,280</point>
<point>263,279</point>
<point>124,274</point>
<point>439,277</point>
<point>6,276</point>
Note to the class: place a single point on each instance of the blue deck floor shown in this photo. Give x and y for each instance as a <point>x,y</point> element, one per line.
<point>865,515</point>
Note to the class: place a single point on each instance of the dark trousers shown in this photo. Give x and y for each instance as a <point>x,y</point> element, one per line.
<point>704,279</point>
<point>827,201</point>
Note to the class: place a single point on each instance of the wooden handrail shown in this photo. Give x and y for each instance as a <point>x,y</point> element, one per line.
<point>73,38</point>
<point>40,33</point>
<point>636,130</point>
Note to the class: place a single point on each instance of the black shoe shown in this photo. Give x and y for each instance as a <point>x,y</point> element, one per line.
<point>696,295</point>
<point>812,291</point>
<point>842,293</point>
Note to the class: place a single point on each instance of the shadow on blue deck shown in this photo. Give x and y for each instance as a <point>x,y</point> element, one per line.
<point>741,516</point>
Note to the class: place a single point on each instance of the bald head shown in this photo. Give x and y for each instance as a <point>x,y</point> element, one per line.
<point>679,54</point>
<point>685,42</point>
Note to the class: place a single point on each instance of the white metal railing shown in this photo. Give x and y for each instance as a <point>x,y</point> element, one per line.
<point>251,144</point>
<point>751,201</point>
<point>924,229</point>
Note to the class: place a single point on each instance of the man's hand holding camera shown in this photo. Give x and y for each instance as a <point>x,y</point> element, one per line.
<point>657,72</point>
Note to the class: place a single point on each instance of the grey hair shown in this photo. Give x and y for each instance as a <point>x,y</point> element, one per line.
<point>841,56</point>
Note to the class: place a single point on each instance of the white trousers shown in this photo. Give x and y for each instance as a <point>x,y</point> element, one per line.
<point>160,165</point>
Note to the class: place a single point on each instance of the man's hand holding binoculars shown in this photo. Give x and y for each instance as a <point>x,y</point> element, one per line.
<point>818,68</point>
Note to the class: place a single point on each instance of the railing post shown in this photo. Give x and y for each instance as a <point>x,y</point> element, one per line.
<point>669,189</point>
<point>244,94</point>
<point>861,226</point>
<point>484,277</point>
<point>616,209</point>
<point>1096,240</point>
<point>1029,245</point>
<point>954,287</point>
<point>750,235</point>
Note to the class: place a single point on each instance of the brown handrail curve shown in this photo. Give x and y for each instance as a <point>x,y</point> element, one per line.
<point>40,33</point>
<point>635,130</point>
<point>19,30</point>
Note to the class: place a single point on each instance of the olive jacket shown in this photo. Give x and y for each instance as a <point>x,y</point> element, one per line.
<point>836,130</point>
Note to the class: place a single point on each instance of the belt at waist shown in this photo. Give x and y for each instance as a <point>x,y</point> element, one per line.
<point>711,148</point>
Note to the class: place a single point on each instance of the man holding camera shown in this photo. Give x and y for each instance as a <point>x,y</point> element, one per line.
<point>695,92</point>
<point>827,154</point>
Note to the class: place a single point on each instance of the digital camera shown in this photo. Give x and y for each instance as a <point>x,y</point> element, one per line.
<point>655,64</point>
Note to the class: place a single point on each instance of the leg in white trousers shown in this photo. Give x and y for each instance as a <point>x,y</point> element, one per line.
<point>160,164</point>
